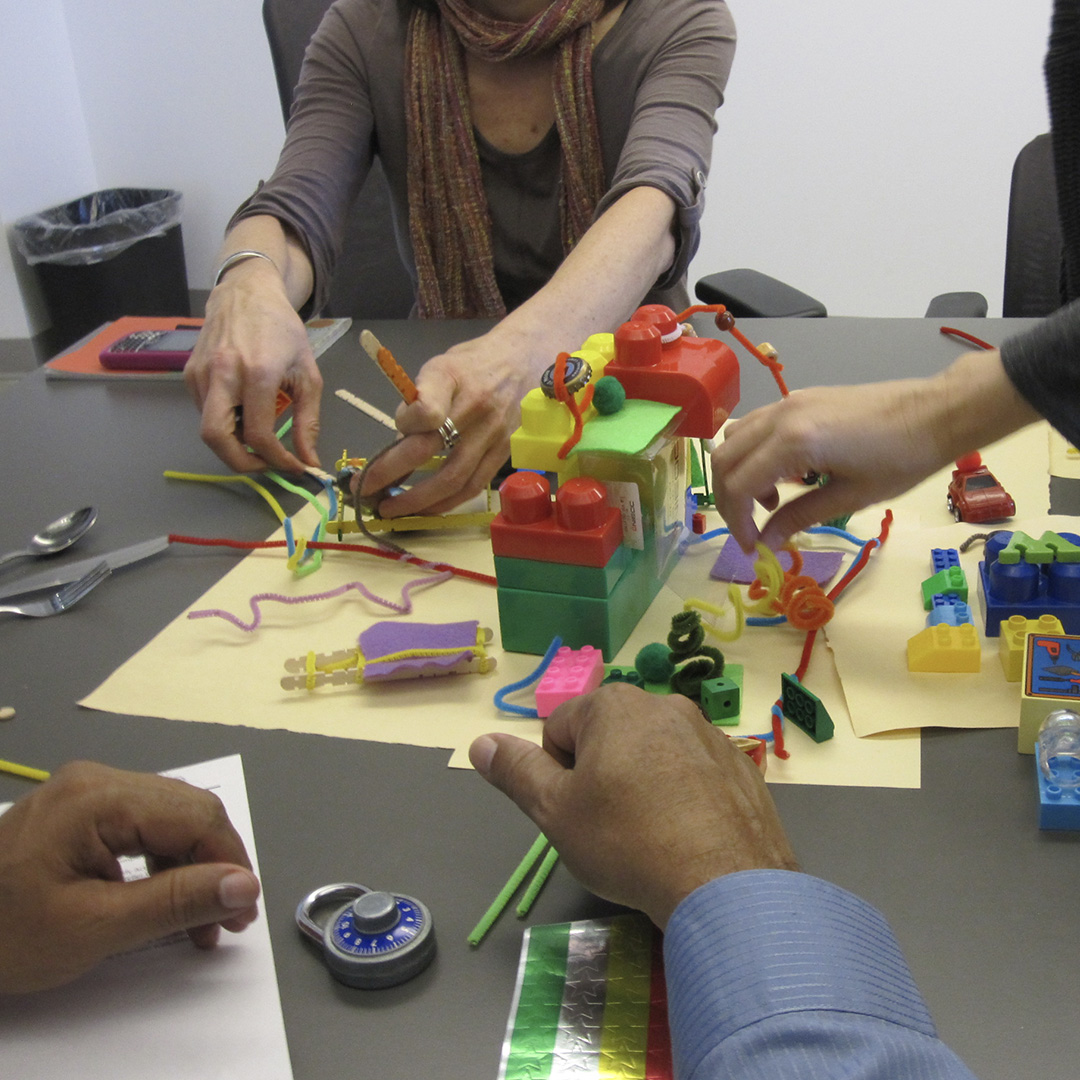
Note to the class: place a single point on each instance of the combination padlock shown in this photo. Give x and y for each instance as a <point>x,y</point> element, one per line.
<point>372,939</point>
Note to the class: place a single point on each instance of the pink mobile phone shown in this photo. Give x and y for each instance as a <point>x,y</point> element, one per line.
<point>151,350</point>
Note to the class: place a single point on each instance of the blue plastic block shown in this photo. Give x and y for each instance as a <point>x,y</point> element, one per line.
<point>1059,808</point>
<point>805,709</point>
<point>943,558</point>
<point>948,609</point>
<point>1029,590</point>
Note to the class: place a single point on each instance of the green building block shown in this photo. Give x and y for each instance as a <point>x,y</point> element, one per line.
<point>1047,549</point>
<point>529,619</point>
<point>721,699</point>
<point>952,581</point>
<point>570,580</point>
<point>804,709</point>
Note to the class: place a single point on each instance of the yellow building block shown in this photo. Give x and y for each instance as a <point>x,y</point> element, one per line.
<point>546,424</point>
<point>1051,680</point>
<point>1014,632</point>
<point>945,648</point>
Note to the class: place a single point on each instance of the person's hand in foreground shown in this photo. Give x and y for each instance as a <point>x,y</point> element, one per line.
<point>872,442</point>
<point>641,796</point>
<point>63,903</point>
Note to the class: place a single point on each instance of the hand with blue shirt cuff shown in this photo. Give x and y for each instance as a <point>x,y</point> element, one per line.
<point>641,796</point>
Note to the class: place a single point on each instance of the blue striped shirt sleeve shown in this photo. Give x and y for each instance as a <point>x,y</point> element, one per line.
<point>773,974</point>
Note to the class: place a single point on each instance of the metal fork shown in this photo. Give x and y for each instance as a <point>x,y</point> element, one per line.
<point>60,600</point>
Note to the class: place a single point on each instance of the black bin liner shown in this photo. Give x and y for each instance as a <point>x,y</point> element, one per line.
<point>115,252</point>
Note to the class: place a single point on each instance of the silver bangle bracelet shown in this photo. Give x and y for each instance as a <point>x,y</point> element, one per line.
<point>240,256</point>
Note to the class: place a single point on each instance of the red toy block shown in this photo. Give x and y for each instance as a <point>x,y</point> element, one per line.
<point>579,528</point>
<point>654,360</point>
<point>571,673</point>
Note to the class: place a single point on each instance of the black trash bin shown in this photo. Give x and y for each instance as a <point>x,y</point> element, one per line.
<point>115,252</point>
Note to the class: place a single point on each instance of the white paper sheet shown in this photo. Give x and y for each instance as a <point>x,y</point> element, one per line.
<point>171,1012</point>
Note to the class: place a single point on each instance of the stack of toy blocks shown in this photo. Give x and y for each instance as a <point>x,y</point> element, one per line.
<point>563,569</point>
<point>949,641</point>
<point>1022,576</point>
<point>630,468</point>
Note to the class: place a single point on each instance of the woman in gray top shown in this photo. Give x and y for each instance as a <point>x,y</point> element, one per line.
<point>546,162</point>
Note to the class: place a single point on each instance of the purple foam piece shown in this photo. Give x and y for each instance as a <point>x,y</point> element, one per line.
<point>384,638</point>
<point>733,564</point>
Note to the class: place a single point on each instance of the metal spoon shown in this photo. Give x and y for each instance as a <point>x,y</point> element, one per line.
<point>61,534</point>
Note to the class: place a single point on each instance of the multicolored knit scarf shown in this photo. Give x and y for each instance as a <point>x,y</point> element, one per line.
<point>449,221</point>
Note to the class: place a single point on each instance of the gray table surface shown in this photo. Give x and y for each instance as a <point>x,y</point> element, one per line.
<point>982,902</point>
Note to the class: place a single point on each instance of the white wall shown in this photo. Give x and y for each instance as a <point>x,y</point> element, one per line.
<point>45,153</point>
<point>863,154</point>
<point>865,149</point>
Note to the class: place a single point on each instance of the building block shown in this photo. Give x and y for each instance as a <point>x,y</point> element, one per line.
<point>1059,807</point>
<point>579,527</point>
<point>655,361</point>
<point>943,558</point>
<point>546,424</point>
<point>528,619</point>
<point>721,699</point>
<point>571,673</point>
<point>633,677</point>
<point>1029,589</point>
<point>945,648</point>
<point>1013,640</point>
<point>1050,547</point>
<point>952,581</point>
<point>567,578</point>
<point>1051,681</point>
<point>950,610</point>
<point>805,709</point>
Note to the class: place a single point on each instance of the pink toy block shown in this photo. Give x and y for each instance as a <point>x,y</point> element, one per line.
<point>571,673</point>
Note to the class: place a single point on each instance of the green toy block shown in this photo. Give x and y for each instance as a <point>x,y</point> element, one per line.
<point>615,673</point>
<point>529,619</point>
<point>596,581</point>
<point>952,581</point>
<point>1022,548</point>
<point>721,699</point>
<point>804,709</point>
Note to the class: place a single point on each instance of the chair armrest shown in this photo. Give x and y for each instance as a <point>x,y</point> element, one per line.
<point>749,294</point>
<point>958,305</point>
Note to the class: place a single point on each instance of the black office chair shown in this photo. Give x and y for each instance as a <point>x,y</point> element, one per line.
<point>1033,248</point>
<point>370,280</point>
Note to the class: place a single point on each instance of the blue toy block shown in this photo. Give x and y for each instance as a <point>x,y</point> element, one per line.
<point>948,609</point>
<point>1059,807</point>
<point>943,558</point>
<point>1028,589</point>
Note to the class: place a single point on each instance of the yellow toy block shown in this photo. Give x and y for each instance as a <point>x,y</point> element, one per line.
<point>546,424</point>
<point>1014,632</point>
<point>1051,680</point>
<point>945,648</point>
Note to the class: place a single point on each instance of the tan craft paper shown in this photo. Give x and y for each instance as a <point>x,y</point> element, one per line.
<point>207,670</point>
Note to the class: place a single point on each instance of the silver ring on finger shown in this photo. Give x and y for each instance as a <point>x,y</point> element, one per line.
<point>450,434</point>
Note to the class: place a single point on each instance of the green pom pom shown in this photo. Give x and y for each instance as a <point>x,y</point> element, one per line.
<point>608,395</point>
<point>654,663</point>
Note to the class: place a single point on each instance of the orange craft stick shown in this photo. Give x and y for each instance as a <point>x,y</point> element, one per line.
<point>390,367</point>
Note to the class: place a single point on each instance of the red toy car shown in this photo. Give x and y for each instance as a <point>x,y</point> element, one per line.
<point>975,495</point>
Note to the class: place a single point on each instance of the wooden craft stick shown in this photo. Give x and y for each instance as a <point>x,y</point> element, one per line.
<point>390,367</point>
<point>366,408</point>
